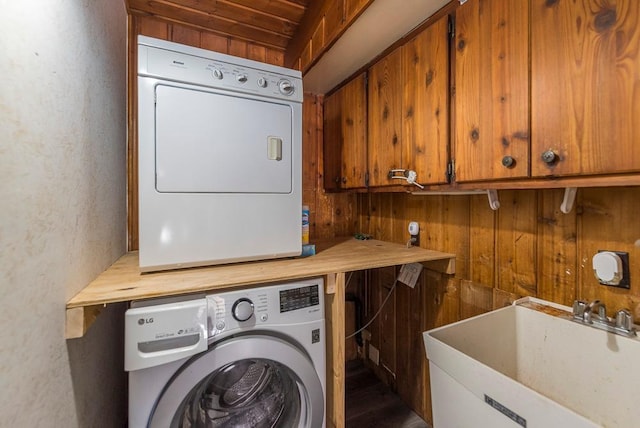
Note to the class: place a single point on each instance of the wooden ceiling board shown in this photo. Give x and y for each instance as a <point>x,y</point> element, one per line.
<point>290,10</point>
<point>269,23</point>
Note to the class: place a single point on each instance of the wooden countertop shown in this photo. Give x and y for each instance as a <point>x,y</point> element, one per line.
<point>123,281</point>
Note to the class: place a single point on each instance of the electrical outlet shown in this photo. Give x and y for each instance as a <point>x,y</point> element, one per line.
<point>625,281</point>
<point>374,354</point>
<point>414,234</point>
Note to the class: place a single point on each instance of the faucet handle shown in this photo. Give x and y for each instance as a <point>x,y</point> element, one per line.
<point>579,306</point>
<point>624,319</point>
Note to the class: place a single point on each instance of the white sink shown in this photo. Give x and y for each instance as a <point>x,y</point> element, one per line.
<point>529,365</point>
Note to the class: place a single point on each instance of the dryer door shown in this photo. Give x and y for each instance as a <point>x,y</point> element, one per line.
<point>248,381</point>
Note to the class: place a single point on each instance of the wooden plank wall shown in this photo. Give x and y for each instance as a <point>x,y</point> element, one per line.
<point>331,215</point>
<point>526,248</point>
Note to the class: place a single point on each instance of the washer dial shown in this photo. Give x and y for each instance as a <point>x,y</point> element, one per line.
<point>242,309</point>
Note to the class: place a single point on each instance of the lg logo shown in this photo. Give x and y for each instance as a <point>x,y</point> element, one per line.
<point>143,321</point>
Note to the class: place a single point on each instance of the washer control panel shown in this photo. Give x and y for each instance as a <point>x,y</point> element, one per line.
<point>289,303</point>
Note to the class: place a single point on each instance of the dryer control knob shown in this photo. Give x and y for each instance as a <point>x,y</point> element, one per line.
<point>242,309</point>
<point>217,73</point>
<point>286,87</point>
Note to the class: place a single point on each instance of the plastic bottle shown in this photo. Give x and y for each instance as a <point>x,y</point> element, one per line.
<point>305,224</point>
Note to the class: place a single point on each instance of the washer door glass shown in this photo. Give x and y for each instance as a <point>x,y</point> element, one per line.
<point>247,393</point>
<point>245,381</point>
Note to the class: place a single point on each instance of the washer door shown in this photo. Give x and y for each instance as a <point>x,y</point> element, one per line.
<point>248,381</point>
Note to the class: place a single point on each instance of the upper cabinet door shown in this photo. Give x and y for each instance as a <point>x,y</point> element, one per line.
<point>385,119</point>
<point>491,101</point>
<point>425,64</point>
<point>345,119</point>
<point>585,102</point>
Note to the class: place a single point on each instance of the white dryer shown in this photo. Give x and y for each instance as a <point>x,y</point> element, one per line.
<point>246,358</point>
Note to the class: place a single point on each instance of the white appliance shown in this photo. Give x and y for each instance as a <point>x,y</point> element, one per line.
<point>253,357</point>
<point>219,157</point>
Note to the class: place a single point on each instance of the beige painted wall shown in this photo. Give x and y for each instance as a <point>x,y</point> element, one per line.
<point>62,209</point>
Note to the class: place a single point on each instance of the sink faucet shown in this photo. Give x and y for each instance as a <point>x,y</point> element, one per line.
<point>594,313</point>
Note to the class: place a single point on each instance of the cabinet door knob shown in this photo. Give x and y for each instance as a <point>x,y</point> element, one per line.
<point>337,180</point>
<point>549,157</point>
<point>508,162</point>
<point>344,180</point>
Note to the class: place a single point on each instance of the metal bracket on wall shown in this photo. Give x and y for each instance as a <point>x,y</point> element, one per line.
<point>463,2</point>
<point>569,197</point>
<point>494,202</point>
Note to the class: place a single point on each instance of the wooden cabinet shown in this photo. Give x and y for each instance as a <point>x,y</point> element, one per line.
<point>585,86</point>
<point>345,145</point>
<point>385,119</point>
<point>582,88</point>
<point>491,101</point>
<point>406,117</point>
<point>425,106</point>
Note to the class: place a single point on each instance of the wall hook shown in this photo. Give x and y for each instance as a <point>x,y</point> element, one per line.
<point>569,197</point>
<point>494,203</point>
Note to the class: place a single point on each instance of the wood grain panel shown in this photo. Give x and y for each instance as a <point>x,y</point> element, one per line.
<point>516,243</point>
<point>608,220</point>
<point>475,299</point>
<point>385,118</point>
<point>335,334</point>
<point>425,106</point>
<point>353,123</point>
<point>491,89</point>
<point>585,99</point>
<point>220,17</point>
<point>557,269</point>
<point>482,241</point>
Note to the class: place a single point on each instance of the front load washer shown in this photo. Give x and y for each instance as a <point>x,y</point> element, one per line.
<point>245,358</point>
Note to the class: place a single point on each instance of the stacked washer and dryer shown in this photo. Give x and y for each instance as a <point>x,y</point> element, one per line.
<point>220,182</point>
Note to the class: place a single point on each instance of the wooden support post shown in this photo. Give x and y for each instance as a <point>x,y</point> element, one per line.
<point>335,338</point>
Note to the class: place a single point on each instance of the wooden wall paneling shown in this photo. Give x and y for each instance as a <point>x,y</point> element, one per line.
<point>587,94</point>
<point>475,299</point>
<point>384,141</point>
<point>151,27</point>
<point>275,57</point>
<point>557,269</point>
<point>333,22</point>
<point>381,223</point>
<point>425,106</point>
<point>515,254</point>
<point>387,324</point>
<point>482,241</point>
<point>214,42</point>
<point>238,48</point>
<point>608,220</point>
<point>318,39</point>
<point>503,298</point>
<point>310,107</point>
<point>410,354</point>
<point>439,307</point>
<point>185,35</point>
<point>447,228</point>
<point>256,52</point>
<point>352,8</point>
<point>491,90</point>
<point>333,141</point>
<point>306,56</point>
